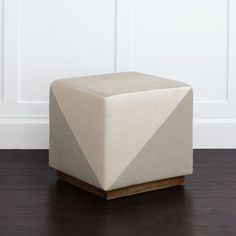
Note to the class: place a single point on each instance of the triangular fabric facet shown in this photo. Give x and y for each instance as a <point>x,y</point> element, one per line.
<point>167,153</point>
<point>132,121</point>
<point>63,146</point>
<point>84,113</point>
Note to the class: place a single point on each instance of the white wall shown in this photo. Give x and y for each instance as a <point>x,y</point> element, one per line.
<point>189,40</point>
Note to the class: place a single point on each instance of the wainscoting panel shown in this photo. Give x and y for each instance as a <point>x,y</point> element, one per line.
<point>187,40</point>
<point>1,51</point>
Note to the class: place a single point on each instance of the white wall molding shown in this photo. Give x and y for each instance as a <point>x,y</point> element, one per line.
<point>10,78</point>
<point>1,50</point>
<point>118,35</point>
<point>135,52</point>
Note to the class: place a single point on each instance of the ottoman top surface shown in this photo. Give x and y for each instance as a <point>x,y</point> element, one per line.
<point>120,83</point>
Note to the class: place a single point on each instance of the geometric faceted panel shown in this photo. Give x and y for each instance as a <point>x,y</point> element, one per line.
<point>132,121</point>
<point>65,153</point>
<point>168,151</point>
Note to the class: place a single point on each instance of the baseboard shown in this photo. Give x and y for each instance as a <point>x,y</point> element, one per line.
<point>24,133</point>
<point>214,133</point>
<point>32,133</point>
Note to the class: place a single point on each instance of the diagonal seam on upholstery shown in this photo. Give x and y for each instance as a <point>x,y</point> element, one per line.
<point>58,107</point>
<point>154,134</point>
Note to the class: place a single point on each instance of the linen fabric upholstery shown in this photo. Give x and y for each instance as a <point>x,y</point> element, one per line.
<point>120,129</point>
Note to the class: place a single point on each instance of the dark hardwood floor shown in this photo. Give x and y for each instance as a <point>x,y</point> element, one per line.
<point>32,202</point>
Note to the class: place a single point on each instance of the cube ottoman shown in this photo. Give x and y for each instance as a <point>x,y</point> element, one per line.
<point>120,134</point>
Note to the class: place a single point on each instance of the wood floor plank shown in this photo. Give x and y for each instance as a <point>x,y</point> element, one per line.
<point>106,231</point>
<point>33,202</point>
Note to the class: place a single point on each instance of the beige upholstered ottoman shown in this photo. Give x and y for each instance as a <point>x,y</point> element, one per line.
<point>120,134</point>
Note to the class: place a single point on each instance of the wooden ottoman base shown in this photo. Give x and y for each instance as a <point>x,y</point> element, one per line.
<point>122,192</point>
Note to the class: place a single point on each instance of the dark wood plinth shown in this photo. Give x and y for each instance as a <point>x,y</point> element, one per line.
<point>122,192</point>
